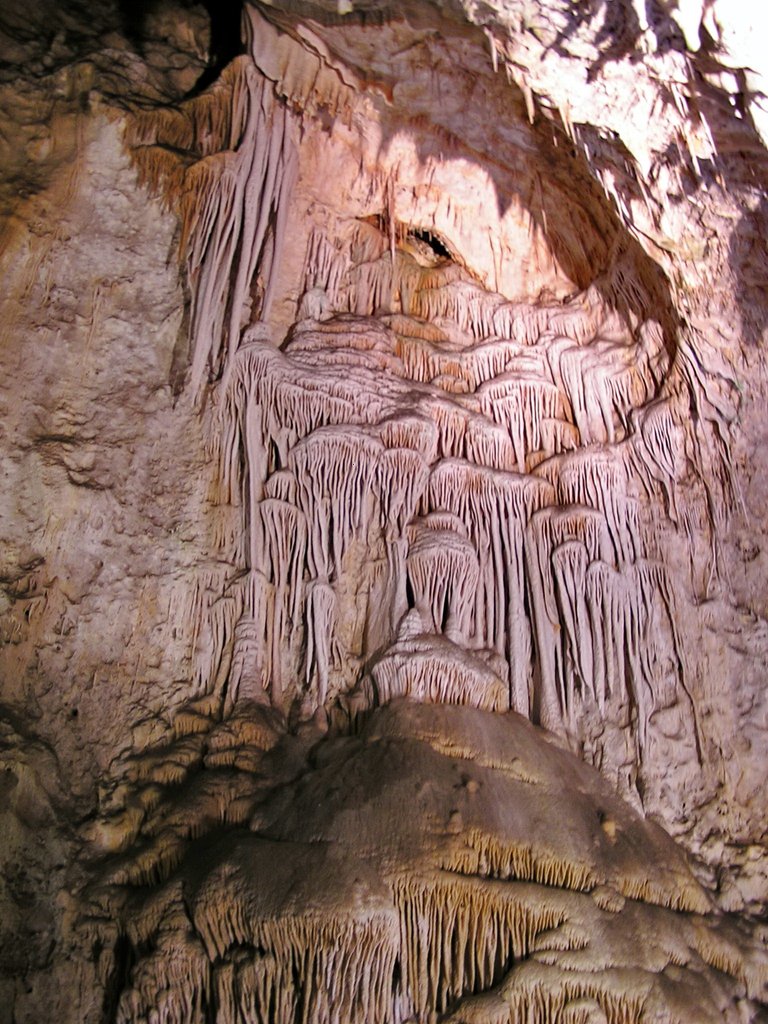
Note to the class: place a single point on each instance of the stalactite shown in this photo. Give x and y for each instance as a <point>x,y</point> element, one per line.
<point>523,324</point>
<point>487,856</point>
<point>246,674</point>
<point>569,567</point>
<point>217,626</point>
<point>168,988</point>
<point>285,533</point>
<point>548,529</point>
<point>487,444</point>
<point>626,638</point>
<point>620,996</point>
<point>302,70</point>
<point>371,287</point>
<point>463,303</point>
<point>520,404</point>
<point>324,268</point>
<point>318,971</point>
<point>527,564</point>
<point>411,431</point>
<point>233,200</point>
<point>607,379</point>
<point>419,439</point>
<point>429,493</point>
<point>443,571</point>
<point>251,669</point>
<point>321,649</point>
<point>402,476</point>
<point>351,350</point>
<point>335,469</point>
<point>460,938</point>
<point>495,508</point>
<point>599,478</point>
<point>243,392</point>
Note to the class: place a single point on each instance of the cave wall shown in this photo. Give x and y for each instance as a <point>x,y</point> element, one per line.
<point>325,388</point>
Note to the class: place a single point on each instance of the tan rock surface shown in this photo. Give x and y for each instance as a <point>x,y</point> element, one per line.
<point>440,853</point>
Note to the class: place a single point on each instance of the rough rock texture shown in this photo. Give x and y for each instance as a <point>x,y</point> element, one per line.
<point>357,356</point>
<point>329,903</point>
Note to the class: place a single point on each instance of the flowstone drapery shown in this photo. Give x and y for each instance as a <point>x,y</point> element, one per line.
<point>400,617</point>
<point>439,491</point>
<point>431,492</point>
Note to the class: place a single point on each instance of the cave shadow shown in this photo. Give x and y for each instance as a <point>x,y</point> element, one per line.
<point>740,162</point>
<point>574,216</point>
<point>225,17</point>
<point>740,167</point>
<point>621,31</point>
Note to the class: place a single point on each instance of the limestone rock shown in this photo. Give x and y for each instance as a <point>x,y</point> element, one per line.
<point>516,884</point>
<point>381,386</point>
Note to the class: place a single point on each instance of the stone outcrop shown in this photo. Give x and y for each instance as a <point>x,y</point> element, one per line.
<point>516,887</point>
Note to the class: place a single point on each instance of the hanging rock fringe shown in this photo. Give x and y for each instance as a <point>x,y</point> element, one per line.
<point>407,390</point>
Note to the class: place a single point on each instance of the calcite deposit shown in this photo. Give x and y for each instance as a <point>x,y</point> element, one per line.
<point>383,589</point>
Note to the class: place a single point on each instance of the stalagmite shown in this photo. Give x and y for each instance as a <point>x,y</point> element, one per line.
<point>431,669</point>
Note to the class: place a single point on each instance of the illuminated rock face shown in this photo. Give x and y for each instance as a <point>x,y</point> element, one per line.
<point>431,430</point>
<point>443,489</point>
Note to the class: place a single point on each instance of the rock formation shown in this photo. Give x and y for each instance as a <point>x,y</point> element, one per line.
<point>384,512</point>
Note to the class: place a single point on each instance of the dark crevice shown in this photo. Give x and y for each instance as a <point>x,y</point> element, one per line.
<point>225,32</point>
<point>124,958</point>
<point>226,42</point>
<point>430,238</point>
